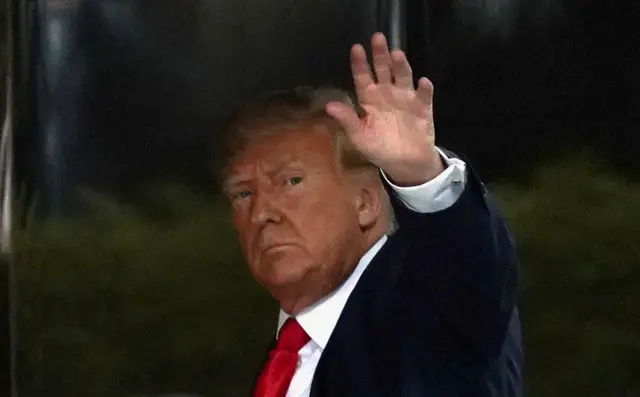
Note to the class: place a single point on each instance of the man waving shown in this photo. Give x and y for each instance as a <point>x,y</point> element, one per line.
<point>317,185</point>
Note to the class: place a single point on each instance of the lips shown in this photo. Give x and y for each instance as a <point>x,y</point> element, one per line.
<point>276,247</point>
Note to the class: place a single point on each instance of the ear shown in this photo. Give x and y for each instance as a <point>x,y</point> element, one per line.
<point>368,200</point>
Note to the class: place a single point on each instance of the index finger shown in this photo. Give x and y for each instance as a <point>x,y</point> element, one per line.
<point>360,69</point>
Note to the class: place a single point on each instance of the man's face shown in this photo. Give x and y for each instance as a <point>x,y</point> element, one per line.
<point>296,219</point>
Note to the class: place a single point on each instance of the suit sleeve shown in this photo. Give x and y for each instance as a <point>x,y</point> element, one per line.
<point>461,262</point>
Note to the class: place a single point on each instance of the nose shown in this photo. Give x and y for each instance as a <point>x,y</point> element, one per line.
<point>264,209</point>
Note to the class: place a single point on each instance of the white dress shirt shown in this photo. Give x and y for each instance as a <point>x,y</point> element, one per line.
<point>320,319</point>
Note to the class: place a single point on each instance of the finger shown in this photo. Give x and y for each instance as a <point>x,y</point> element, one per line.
<point>360,69</point>
<point>402,70</point>
<point>346,116</point>
<point>425,91</point>
<point>381,58</point>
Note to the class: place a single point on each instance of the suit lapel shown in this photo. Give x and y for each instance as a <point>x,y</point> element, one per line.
<point>355,360</point>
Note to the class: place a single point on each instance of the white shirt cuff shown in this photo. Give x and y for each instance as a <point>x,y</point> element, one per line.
<point>437,194</point>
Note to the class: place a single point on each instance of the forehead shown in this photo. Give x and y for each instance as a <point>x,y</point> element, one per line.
<point>307,144</point>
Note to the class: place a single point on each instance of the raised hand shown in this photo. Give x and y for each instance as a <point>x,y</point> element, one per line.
<point>397,133</point>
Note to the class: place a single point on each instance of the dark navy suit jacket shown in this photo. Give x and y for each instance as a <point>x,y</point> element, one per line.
<point>434,314</point>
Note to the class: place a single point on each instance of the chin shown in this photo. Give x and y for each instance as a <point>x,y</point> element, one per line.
<point>281,276</point>
<point>281,266</point>
<point>284,277</point>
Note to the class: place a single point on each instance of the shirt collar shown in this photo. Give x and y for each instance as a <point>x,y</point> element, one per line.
<point>320,319</point>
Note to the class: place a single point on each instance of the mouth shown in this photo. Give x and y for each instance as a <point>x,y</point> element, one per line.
<point>276,247</point>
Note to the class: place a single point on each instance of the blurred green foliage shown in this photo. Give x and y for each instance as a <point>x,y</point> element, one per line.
<point>156,298</point>
<point>135,301</point>
<point>577,227</point>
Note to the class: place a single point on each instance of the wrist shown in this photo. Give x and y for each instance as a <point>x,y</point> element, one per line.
<point>417,174</point>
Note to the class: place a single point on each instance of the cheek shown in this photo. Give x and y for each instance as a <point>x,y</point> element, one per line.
<point>244,234</point>
<point>324,221</point>
<point>238,226</point>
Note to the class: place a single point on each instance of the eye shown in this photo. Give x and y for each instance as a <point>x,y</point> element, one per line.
<point>294,180</point>
<point>242,194</point>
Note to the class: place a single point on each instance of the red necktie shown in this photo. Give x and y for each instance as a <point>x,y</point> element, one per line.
<point>277,373</point>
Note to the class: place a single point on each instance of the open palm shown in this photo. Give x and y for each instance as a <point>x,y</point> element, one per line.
<point>397,131</point>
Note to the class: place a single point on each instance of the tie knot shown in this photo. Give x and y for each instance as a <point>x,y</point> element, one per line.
<point>292,337</point>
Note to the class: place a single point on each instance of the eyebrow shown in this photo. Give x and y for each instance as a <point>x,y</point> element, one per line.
<point>288,164</point>
<point>239,180</point>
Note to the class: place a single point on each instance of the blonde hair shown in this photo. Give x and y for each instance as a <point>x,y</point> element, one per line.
<point>283,108</point>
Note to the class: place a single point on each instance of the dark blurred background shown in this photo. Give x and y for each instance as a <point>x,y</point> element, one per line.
<point>127,276</point>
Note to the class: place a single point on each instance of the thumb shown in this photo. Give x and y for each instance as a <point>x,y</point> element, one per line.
<point>345,115</point>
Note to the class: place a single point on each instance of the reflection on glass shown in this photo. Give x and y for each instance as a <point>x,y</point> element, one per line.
<point>146,293</point>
